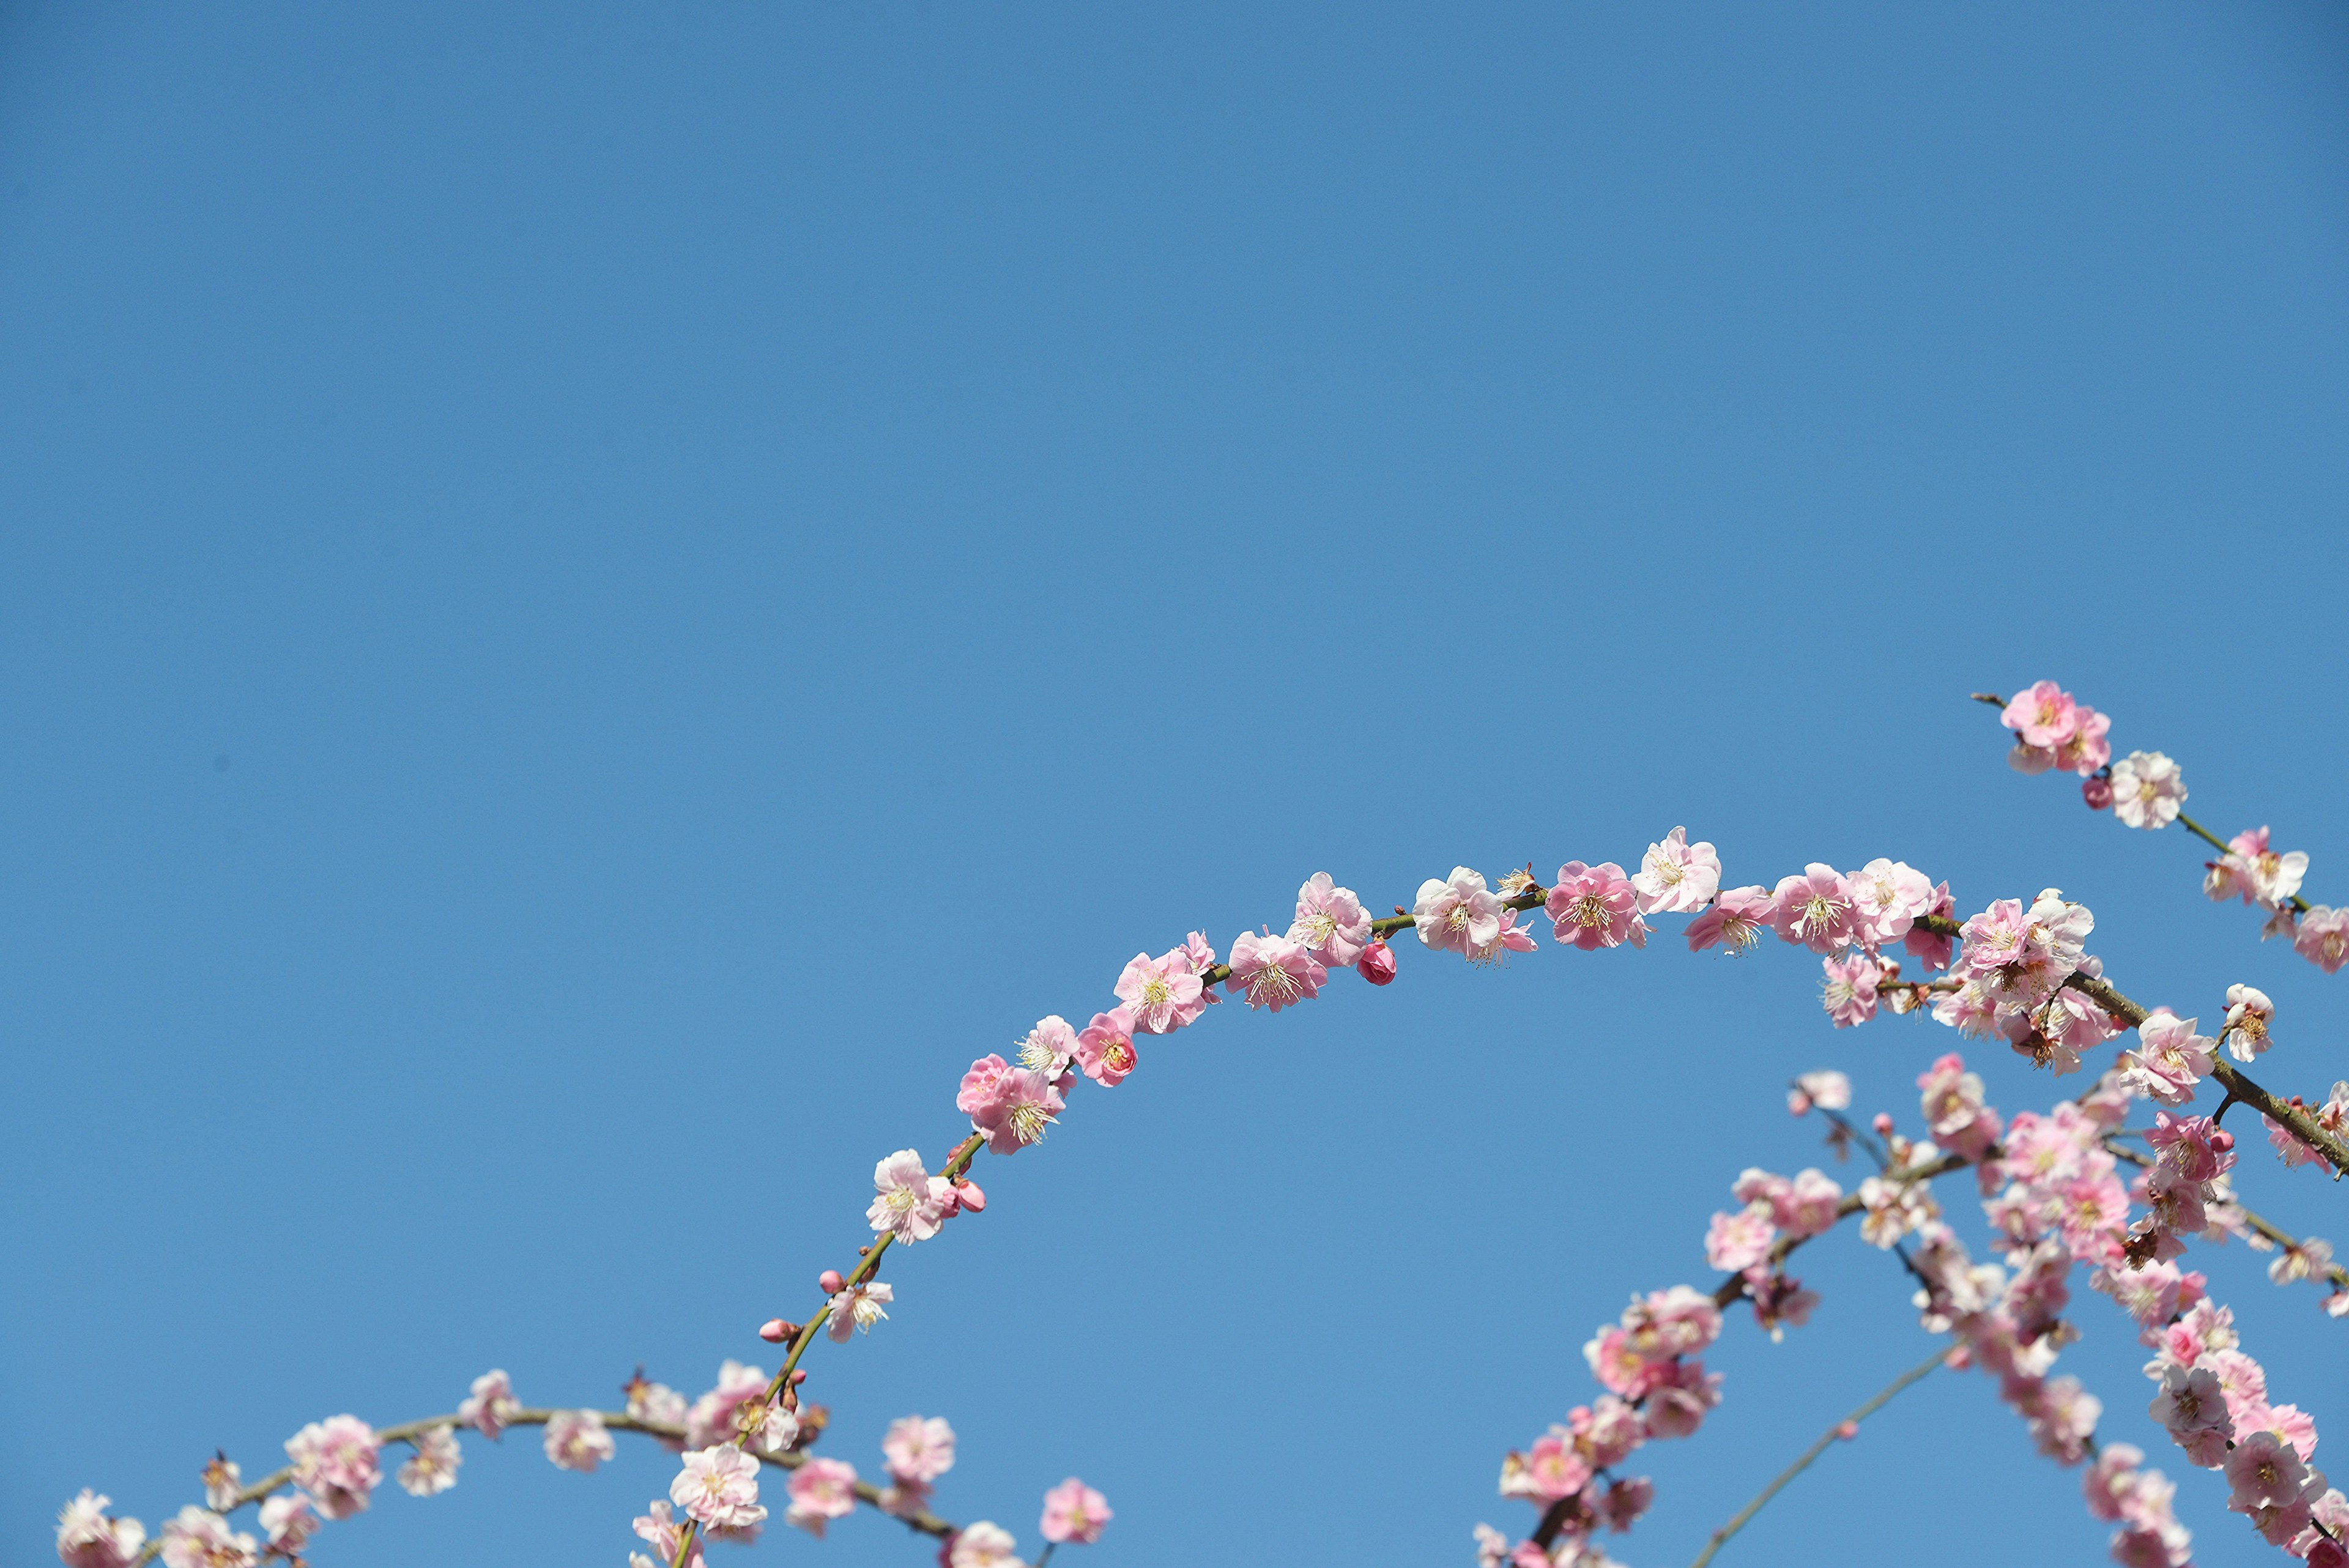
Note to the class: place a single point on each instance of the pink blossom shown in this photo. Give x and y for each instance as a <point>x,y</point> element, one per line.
<point>1848,995</point>
<point>1491,1547</point>
<point>2063,1419</point>
<point>2111,1479</point>
<point>1074,1511</point>
<point>2087,750</point>
<point>2288,1422</point>
<point>1607,1430</point>
<point>1594,907</point>
<point>2311,1259</point>
<point>200,1538</point>
<point>2249,1014</point>
<point>1331,922</point>
<point>1377,963</point>
<point>984,1090</point>
<point>2194,1409</point>
<point>716,1416</point>
<point>2041,714</point>
<point>659,1530</point>
<point>980,1545</point>
<point>1681,1394</point>
<point>1815,910</point>
<point>1027,1103</point>
<point>1458,915</point>
<point>576,1440</point>
<point>1273,971</point>
<point>2333,1118</point>
<point>2147,790</point>
<point>2010,956</point>
<point>1048,1047</point>
<point>335,1462</point>
<point>919,1450</point>
<point>719,1486</point>
<point>1829,1091</point>
<point>2268,1481</point>
<point>2322,937</point>
<point>2097,792</point>
<point>910,1203</point>
<point>2169,1060</point>
<point>1739,1241</point>
<point>88,1537</point>
<point>857,1309</point>
<point>433,1469</point>
<point>1675,877</point>
<point>1200,954</point>
<point>1888,896</point>
<point>287,1523</point>
<point>1734,922</point>
<point>2261,875</point>
<point>491,1405</point>
<point>1164,993</point>
<point>222,1481</point>
<point>1105,1047</point>
<point>821,1490</point>
<point>1623,1501</point>
<point>2196,1148</point>
<point>1932,946</point>
<point>1515,936</point>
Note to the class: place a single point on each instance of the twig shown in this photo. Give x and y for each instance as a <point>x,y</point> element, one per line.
<point>1883,1397</point>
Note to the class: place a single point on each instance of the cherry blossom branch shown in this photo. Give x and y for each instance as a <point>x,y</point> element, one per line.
<point>923,1523</point>
<point>1845,1428</point>
<point>2267,1227</point>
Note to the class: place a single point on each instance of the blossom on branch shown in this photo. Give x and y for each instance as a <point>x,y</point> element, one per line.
<point>2147,790</point>
<point>200,1538</point>
<point>491,1405</point>
<point>910,1203</point>
<point>90,1537</point>
<point>719,1486</point>
<point>1273,971</point>
<point>857,1309</point>
<point>1675,877</point>
<point>335,1462</point>
<point>1594,907</point>
<point>433,1468</point>
<point>1074,1511</point>
<point>821,1492</point>
<point>576,1440</point>
<point>1331,922</point>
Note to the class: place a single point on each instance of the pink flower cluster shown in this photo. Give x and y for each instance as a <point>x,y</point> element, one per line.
<point>2212,1398</point>
<point>1656,1387</point>
<point>2052,731</point>
<point>2332,1116</point>
<point>917,1451</point>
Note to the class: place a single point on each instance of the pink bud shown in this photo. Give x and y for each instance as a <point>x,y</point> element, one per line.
<point>970,1196</point>
<point>2097,792</point>
<point>1882,1124</point>
<point>830,1283</point>
<point>774,1331</point>
<point>2221,1140</point>
<point>1376,964</point>
<point>1847,1431</point>
<point>1798,1103</point>
<point>799,1376</point>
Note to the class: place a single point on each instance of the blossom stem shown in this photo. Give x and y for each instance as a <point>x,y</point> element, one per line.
<point>1883,1397</point>
<point>613,1420</point>
<point>958,1165</point>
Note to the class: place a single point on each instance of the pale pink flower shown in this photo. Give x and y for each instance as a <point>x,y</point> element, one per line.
<point>822,1490</point>
<point>1457,915</point>
<point>1048,1047</point>
<point>2322,937</point>
<point>1677,877</point>
<point>1273,971</point>
<point>1200,954</point>
<point>981,1544</point>
<point>576,1440</point>
<point>1809,1206</point>
<point>200,1538</point>
<point>2311,1260</point>
<point>1331,922</point>
<point>1029,1102</point>
<point>1623,1501</point>
<point>287,1523</point>
<point>1491,1547</point>
<point>1848,995</point>
<point>2029,761</point>
<point>2192,1406</point>
<point>2249,1014</point>
<point>857,1309</point>
<point>2041,714</point>
<point>1164,993</point>
<point>2195,1146</point>
<point>715,1418</point>
<point>1676,1403</point>
<point>224,1481</point>
<point>1735,921</point>
<point>2063,1419</point>
<point>2264,1472</point>
<point>911,1203</point>
<point>1891,1210</point>
<point>1737,1242</point>
<point>2010,956</point>
<point>1515,937</point>
<point>1931,946</point>
<point>919,1450</point>
<point>2111,1479</point>
<point>433,1468</point>
<point>1830,1091</point>
<point>661,1531</point>
<point>2169,1060</point>
<point>2260,875</point>
<point>2147,790</point>
<point>2290,1423</point>
<point>335,1462</point>
<point>719,1486</point>
<point>2088,749</point>
<point>1593,907</point>
<point>984,1090</point>
<point>88,1537</point>
<point>1815,911</point>
<point>1105,1047</point>
<point>1074,1511</point>
<point>489,1405</point>
<point>1888,896</point>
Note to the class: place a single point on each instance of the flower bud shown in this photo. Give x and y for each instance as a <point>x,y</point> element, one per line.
<point>1882,1124</point>
<point>830,1283</point>
<point>967,1194</point>
<point>1847,1431</point>
<point>774,1330</point>
<point>2097,792</point>
<point>1377,963</point>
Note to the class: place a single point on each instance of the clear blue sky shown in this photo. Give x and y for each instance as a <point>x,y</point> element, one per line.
<point>593,603</point>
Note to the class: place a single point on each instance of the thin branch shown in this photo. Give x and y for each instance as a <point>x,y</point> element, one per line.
<point>1883,1397</point>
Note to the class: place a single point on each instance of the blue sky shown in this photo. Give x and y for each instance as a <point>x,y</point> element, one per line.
<point>595,602</point>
